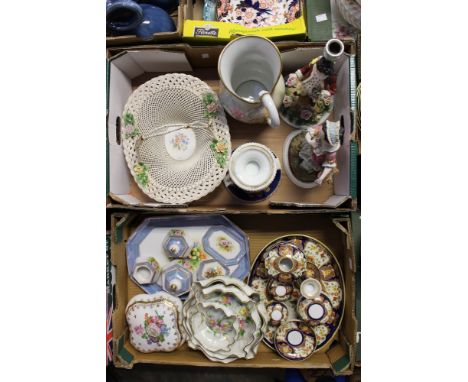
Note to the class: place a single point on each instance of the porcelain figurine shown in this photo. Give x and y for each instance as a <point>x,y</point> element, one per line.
<point>155,20</point>
<point>310,156</point>
<point>123,16</point>
<point>251,85</point>
<point>309,91</point>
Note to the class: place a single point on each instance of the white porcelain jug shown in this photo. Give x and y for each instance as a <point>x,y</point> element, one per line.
<point>251,87</point>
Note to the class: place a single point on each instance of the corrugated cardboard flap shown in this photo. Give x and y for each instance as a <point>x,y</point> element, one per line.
<point>124,358</point>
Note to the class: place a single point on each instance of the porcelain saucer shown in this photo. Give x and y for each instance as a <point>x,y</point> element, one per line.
<point>294,344</point>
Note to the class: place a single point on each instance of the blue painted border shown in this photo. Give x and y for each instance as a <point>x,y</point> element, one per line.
<point>215,255</point>
<point>149,224</point>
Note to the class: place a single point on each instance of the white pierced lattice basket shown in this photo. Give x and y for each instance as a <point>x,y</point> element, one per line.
<point>164,118</point>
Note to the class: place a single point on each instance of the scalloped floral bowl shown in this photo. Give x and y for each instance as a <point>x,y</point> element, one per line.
<point>235,299</point>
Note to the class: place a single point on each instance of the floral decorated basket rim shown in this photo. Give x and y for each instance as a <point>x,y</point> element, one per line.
<point>214,120</point>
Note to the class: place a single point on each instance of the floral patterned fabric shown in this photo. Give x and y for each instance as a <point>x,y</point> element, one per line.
<point>258,13</point>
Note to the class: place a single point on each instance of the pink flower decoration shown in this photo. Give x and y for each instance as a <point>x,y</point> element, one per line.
<point>128,129</point>
<point>139,329</point>
<point>306,114</point>
<point>262,4</point>
<point>249,15</point>
<point>212,107</point>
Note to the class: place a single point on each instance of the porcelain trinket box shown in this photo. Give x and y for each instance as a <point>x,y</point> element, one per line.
<point>154,322</point>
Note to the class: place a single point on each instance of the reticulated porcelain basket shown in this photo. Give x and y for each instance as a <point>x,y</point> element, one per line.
<point>176,139</point>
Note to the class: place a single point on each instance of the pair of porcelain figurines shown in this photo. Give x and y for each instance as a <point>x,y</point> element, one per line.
<point>253,90</point>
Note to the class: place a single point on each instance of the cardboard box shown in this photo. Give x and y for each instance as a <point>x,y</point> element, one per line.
<point>129,68</point>
<point>324,21</point>
<point>335,232</point>
<point>198,30</point>
<point>126,40</point>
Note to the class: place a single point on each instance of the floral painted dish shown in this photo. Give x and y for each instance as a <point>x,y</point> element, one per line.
<point>175,138</point>
<point>236,299</point>
<point>294,344</point>
<point>154,322</point>
<point>321,265</point>
<point>147,246</point>
<point>225,244</point>
<point>175,244</point>
<point>176,279</point>
<point>258,13</point>
<point>211,268</point>
<point>316,311</point>
<point>285,258</point>
<point>277,312</point>
<point>215,327</point>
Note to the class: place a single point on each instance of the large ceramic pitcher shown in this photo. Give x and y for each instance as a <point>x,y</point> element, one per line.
<point>252,87</point>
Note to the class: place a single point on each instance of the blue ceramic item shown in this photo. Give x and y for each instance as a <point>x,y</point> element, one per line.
<point>227,239</point>
<point>211,268</point>
<point>136,241</point>
<point>155,20</point>
<point>176,280</point>
<point>123,16</point>
<point>175,245</point>
<point>254,197</point>
<point>168,5</point>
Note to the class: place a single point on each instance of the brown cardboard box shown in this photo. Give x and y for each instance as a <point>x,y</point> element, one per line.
<point>335,232</point>
<point>177,16</point>
<point>197,30</point>
<point>129,68</point>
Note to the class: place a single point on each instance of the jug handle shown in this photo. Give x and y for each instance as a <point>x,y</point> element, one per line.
<point>273,115</point>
